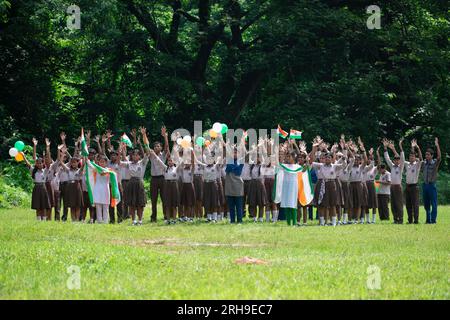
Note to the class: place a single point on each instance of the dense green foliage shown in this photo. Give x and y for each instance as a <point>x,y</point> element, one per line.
<point>310,65</point>
<point>197,261</point>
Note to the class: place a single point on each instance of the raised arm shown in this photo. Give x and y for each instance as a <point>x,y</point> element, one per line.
<point>414,145</point>
<point>438,151</point>
<point>48,153</point>
<point>35,142</point>
<point>165,136</point>
<point>386,154</point>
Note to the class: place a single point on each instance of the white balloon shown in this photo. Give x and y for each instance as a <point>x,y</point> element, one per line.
<point>13,152</point>
<point>187,138</point>
<point>217,127</point>
<point>179,140</point>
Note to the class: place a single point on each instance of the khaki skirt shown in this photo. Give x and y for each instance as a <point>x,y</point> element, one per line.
<point>73,196</point>
<point>171,194</point>
<point>198,187</point>
<point>346,195</point>
<point>330,197</point>
<point>317,192</point>
<point>356,194</point>
<point>257,193</point>
<point>210,195</point>
<point>340,193</point>
<point>364,187</point>
<point>188,194</point>
<point>39,198</point>
<point>135,193</point>
<point>372,201</point>
<point>268,185</point>
<point>51,194</point>
<point>221,193</point>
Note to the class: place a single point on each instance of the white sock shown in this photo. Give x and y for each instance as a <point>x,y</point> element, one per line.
<point>322,221</point>
<point>209,216</point>
<point>367,217</point>
<point>345,217</point>
<point>261,219</point>
<point>275,215</point>
<point>214,216</point>
<point>219,217</point>
<point>44,218</point>
<point>38,218</point>
<point>268,215</point>
<point>134,221</point>
<point>374,217</point>
<point>333,221</point>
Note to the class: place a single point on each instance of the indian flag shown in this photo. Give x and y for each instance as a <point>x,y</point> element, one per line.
<point>295,134</point>
<point>281,132</point>
<point>84,148</point>
<point>305,190</point>
<point>91,178</point>
<point>126,140</point>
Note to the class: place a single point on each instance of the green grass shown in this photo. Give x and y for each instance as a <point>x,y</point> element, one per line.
<point>198,261</point>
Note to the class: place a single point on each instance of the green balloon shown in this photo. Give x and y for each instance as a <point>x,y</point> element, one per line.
<point>200,141</point>
<point>19,145</point>
<point>224,128</point>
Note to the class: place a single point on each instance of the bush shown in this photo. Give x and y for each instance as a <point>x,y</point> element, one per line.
<point>11,196</point>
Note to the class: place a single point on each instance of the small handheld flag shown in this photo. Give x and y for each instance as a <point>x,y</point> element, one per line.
<point>295,134</point>
<point>126,140</point>
<point>283,134</point>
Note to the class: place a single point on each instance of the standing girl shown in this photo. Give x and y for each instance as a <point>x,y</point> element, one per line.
<point>39,200</point>
<point>135,196</point>
<point>73,197</point>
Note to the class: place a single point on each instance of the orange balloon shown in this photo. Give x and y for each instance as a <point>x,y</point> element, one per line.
<point>212,133</point>
<point>185,144</point>
<point>207,142</point>
<point>19,157</point>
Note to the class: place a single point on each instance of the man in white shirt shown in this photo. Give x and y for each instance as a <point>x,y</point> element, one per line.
<point>412,168</point>
<point>396,167</point>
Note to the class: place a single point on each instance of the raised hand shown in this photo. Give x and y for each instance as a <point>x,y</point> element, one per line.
<point>35,142</point>
<point>413,143</point>
<point>142,130</point>
<point>97,138</point>
<point>109,134</point>
<point>436,141</point>
<point>88,135</point>
<point>371,151</point>
<point>163,131</point>
<point>133,132</point>
<point>62,135</point>
<point>385,142</point>
<point>47,142</point>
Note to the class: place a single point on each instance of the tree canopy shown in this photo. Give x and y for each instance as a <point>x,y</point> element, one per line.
<point>309,65</point>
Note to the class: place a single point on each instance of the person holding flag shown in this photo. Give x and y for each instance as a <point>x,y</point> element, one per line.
<point>98,181</point>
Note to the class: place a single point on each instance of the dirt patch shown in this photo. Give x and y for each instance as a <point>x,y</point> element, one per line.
<point>249,260</point>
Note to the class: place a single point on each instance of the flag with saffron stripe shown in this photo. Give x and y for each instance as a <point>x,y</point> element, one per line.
<point>91,172</point>
<point>281,132</point>
<point>295,134</point>
<point>305,190</point>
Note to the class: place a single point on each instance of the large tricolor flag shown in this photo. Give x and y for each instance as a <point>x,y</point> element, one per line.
<point>282,133</point>
<point>92,171</point>
<point>305,190</point>
<point>295,134</point>
<point>126,140</point>
<point>84,148</point>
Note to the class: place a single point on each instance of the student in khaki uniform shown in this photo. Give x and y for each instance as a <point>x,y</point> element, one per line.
<point>396,167</point>
<point>412,168</point>
<point>384,192</point>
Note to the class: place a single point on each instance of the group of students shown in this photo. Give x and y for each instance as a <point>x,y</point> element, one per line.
<point>201,183</point>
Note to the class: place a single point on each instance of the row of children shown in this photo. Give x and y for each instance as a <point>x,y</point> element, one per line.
<point>195,183</point>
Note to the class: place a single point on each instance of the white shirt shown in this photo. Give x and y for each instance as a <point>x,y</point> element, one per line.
<point>40,176</point>
<point>245,175</point>
<point>396,171</point>
<point>356,173</point>
<point>385,188</point>
<point>412,171</point>
<point>136,170</point>
<point>268,172</point>
<point>186,175</point>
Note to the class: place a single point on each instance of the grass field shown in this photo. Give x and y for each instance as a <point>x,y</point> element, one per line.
<point>198,261</point>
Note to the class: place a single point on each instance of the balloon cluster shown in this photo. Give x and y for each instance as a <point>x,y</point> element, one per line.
<point>218,128</point>
<point>16,152</point>
<point>185,142</point>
